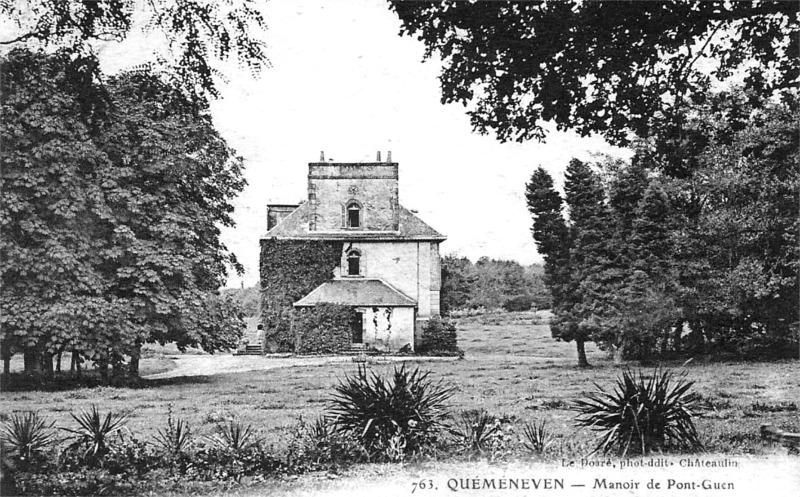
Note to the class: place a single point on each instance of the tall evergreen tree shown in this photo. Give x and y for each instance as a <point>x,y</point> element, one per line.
<point>554,242</point>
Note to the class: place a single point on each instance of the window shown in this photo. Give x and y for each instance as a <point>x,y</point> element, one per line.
<point>353,215</point>
<point>354,263</point>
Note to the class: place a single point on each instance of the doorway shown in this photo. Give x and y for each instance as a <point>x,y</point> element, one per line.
<point>357,327</point>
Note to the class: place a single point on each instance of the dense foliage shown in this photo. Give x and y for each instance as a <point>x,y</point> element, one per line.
<point>96,463</point>
<point>289,271</point>
<point>491,284</point>
<point>324,328</point>
<point>112,200</point>
<point>439,338</point>
<point>607,67</point>
<point>198,34</point>
<point>642,415</point>
<point>650,264</point>
<point>248,299</point>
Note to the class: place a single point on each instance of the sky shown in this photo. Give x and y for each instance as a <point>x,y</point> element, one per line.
<point>344,82</point>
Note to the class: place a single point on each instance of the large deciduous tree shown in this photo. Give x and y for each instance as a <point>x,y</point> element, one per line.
<point>599,66</point>
<point>196,34</point>
<point>738,249</point>
<point>112,198</point>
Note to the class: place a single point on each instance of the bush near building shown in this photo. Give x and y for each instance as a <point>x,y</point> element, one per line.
<point>439,338</point>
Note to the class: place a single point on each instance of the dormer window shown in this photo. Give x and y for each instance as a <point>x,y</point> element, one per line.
<point>353,263</point>
<point>353,214</point>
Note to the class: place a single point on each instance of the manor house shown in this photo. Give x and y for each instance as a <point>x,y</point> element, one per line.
<point>389,271</point>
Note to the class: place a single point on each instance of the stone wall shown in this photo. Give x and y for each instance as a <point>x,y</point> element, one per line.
<point>388,328</point>
<point>407,266</point>
<point>372,185</point>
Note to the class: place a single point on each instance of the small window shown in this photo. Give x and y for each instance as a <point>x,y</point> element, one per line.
<point>354,263</point>
<point>353,215</point>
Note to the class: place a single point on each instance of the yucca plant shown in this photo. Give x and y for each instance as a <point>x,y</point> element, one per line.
<point>536,436</point>
<point>476,430</point>
<point>235,436</point>
<point>642,414</point>
<point>177,438</point>
<point>377,410</point>
<point>26,437</point>
<point>94,431</point>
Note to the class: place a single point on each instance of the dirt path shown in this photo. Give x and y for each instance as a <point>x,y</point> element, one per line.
<point>207,365</point>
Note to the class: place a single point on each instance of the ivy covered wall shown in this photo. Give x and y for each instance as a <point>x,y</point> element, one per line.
<point>289,270</point>
<point>324,328</point>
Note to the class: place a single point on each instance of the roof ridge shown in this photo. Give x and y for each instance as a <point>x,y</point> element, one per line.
<point>394,288</point>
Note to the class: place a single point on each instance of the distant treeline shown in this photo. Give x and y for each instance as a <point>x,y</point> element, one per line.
<point>491,284</point>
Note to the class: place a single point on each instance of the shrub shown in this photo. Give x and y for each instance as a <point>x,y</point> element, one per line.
<point>536,437</point>
<point>89,482</point>
<point>25,439</point>
<point>484,434</point>
<point>235,436</point>
<point>176,439</point>
<point>215,462</point>
<point>318,445</point>
<point>439,338</point>
<point>130,457</point>
<point>375,409</point>
<point>518,303</point>
<point>641,414</point>
<point>91,437</point>
<point>476,430</point>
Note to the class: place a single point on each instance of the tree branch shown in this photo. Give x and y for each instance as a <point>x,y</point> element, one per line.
<point>32,34</point>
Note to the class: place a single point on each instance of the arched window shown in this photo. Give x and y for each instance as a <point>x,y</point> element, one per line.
<point>353,214</point>
<point>353,263</point>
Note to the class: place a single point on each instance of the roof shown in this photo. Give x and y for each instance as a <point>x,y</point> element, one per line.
<point>295,227</point>
<point>357,292</point>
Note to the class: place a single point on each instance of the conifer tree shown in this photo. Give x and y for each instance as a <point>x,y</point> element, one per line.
<point>554,243</point>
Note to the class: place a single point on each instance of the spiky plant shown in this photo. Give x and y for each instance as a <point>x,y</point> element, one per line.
<point>235,436</point>
<point>376,409</point>
<point>94,431</point>
<point>536,436</point>
<point>177,438</point>
<point>642,414</point>
<point>475,430</point>
<point>26,437</point>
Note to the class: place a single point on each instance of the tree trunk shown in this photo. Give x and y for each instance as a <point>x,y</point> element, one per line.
<point>136,353</point>
<point>582,362</point>
<point>31,360</point>
<point>46,361</point>
<point>5,351</point>
<point>58,361</point>
<point>102,366</point>
<point>117,370</point>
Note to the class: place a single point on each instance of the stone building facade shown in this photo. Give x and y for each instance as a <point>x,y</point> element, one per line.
<point>389,271</point>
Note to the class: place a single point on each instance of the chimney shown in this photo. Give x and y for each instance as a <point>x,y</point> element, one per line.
<point>389,156</point>
<point>379,156</point>
<point>322,156</point>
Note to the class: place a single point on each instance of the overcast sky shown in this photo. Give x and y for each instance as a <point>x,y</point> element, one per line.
<point>342,81</point>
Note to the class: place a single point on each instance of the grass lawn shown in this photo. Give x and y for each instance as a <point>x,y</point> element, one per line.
<point>512,367</point>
